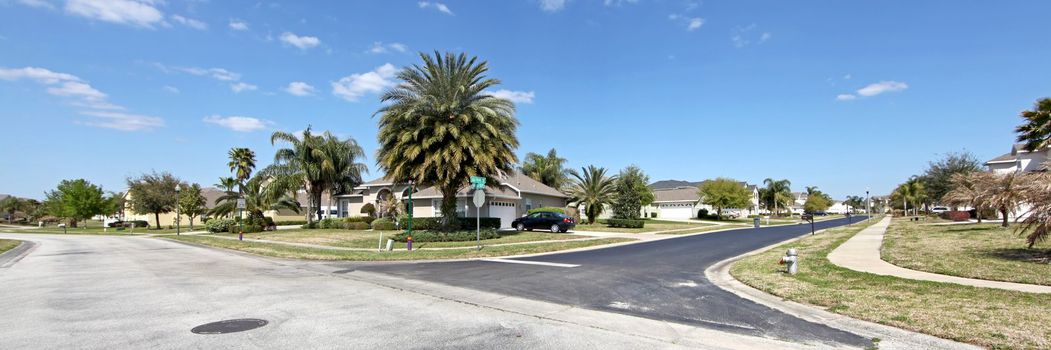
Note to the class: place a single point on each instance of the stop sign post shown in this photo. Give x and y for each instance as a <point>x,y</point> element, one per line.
<point>478,183</point>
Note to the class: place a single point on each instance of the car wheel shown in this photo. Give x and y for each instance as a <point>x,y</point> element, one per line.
<point>555,228</point>
<point>520,227</point>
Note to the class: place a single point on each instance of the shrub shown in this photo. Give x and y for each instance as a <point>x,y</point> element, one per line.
<point>625,223</point>
<point>327,223</point>
<point>956,215</point>
<point>356,226</point>
<point>653,215</point>
<point>220,225</point>
<point>434,224</point>
<point>309,226</point>
<point>383,224</point>
<point>438,236</point>
<point>368,208</point>
<point>548,209</point>
<point>290,222</point>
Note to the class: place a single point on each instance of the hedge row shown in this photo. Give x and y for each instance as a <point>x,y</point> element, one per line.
<point>626,223</point>
<point>131,223</point>
<point>956,215</point>
<point>547,209</point>
<point>425,224</point>
<point>437,236</point>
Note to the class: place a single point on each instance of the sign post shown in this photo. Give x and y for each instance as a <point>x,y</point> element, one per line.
<point>240,214</point>
<point>478,183</point>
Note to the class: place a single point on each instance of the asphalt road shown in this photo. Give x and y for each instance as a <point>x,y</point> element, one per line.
<point>106,292</point>
<point>661,280</point>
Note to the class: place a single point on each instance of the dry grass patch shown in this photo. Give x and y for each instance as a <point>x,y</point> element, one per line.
<point>985,251</point>
<point>8,244</point>
<point>982,316</point>
<point>294,252</point>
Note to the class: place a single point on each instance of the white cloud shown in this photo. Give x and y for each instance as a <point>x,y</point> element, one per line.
<point>299,88</point>
<point>695,23</point>
<point>80,94</point>
<point>440,7</point>
<point>881,87</point>
<point>37,3</point>
<point>215,73</point>
<point>171,89</point>
<point>514,96</point>
<point>302,42</point>
<point>238,123</point>
<point>873,89</point>
<point>552,5</point>
<point>122,121</point>
<point>744,36</point>
<point>139,13</point>
<point>189,22</point>
<point>691,23</point>
<point>237,24</point>
<point>379,47</point>
<point>353,86</point>
<point>619,2</point>
<point>242,86</point>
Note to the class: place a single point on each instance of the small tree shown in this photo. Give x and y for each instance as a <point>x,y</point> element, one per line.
<point>153,193</point>
<point>369,209</point>
<point>592,188</point>
<point>816,203</point>
<point>75,200</point>
<point>632,193</point>
<point>724,193</point>
<point>192,202</point>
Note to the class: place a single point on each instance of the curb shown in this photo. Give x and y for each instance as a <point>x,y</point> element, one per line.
<point>890,337</point>
<point>10,257</point>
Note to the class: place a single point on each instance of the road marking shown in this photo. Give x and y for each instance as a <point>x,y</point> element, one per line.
<point>527,262</point>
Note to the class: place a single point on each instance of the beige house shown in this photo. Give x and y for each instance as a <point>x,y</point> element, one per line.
<point>511,198</point>
<point>211,194</point>
<point>684,202</point>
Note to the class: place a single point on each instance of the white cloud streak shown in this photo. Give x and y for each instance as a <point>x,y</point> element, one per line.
<point>238,123</point>
<point>90,101</point>
<point>137,13</point>
<point>379,47</point>
<point>353,86</point>
<point>514,96</point>
<point>440,7</point>
<point>189,22</point>
<point>874,89</point>
<point>552,5</point>
<point>238,25</point>
<point>301,42</point>
<point>299,88</point>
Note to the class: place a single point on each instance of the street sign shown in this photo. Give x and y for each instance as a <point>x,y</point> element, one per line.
<point>477,182</point>
<point>479,198</point>
<point>240,203</point>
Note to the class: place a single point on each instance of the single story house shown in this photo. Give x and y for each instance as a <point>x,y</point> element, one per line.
<point>511,198</point>
<point>684,202</point>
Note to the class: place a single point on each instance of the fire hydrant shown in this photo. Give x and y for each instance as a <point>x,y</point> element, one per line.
<point>790,259</point>
<point>408,243</point>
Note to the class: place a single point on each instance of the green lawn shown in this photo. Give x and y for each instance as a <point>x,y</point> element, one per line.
<point>286,251</point>
<point>370,239</point>
<point>8,244</point>
<point>985,251</point>
<point>651,226</point>
<point>987,317</point>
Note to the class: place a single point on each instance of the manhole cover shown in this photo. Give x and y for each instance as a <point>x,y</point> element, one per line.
<point>229,326</point>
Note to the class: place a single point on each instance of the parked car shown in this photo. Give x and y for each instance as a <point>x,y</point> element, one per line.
<point>555,222</point>
<point>939,210</point>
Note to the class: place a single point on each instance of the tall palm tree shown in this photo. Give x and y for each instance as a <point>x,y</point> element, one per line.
<point>439,126</point>
<point>777,191</point>
<point>1036,132</point>
<point>1004,192</point>
<point>549,170</point>
<point>594,189</point>
<point>242,162</point>
<point>911,192</point>
<point>966,190</point>
<point>345,171</point>
<point>300,166</point>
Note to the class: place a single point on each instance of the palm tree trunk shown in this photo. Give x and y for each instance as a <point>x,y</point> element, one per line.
<point>978,213</point>
<point>449,222</point>
<point>1003,211</point>
<point>157,218</point>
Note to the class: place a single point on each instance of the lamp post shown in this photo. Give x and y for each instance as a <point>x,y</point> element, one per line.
<point>178,214</point>
<point>868,205</point>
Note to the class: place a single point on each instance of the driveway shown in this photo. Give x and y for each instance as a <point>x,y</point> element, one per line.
<point>662,280</point>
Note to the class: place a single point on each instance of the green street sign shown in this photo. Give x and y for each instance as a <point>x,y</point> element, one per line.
<point>477,182</point>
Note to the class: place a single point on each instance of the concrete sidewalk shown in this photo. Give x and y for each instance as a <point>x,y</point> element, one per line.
<point>862,253</point>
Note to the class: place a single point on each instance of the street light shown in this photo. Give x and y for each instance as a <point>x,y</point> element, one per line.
<point>178,215</point>
<point>868,205</point>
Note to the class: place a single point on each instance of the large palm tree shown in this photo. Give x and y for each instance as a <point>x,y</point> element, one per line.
<point>242,162</point>
<point>777,192</point>
<point>1036,132</point>
<point>345,171</point>
<point>966,190</point>
<point>303,165</point>
<point>1004,192</point>
<point>439,127</point>
<point>911,192</point>
<point>594,189</point>
<point>548,169</point>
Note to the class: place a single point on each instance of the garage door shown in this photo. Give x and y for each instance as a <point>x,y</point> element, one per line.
<point>676,211</point>
<point>504,210</point>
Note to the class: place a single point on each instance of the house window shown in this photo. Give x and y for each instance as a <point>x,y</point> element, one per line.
<point>436,204</point>
<point>529,204</point>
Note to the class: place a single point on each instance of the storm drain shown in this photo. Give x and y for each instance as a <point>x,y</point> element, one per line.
<point>229,326</point>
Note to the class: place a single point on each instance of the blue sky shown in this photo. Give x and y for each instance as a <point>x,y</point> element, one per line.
<point>843,95</point>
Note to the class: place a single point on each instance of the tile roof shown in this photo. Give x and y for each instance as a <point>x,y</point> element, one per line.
<point>678,194</point>
<point>517,180</point>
